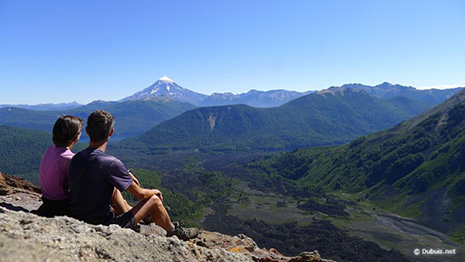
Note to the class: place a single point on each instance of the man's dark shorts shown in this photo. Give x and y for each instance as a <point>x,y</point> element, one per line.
<point>125,220</point>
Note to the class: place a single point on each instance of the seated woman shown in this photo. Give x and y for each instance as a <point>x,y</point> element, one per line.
<point>54,167</point>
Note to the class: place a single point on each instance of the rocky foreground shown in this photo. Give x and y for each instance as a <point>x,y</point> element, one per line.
<point>27,237</point>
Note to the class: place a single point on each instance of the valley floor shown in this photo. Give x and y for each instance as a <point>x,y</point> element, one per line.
<point>388,230</point>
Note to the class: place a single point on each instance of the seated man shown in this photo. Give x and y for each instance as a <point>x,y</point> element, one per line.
<point>94,178</point>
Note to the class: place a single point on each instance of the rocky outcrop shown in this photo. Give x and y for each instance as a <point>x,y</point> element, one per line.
<point>27,237</point>
<point>4,188</point>
<point>12,183</point>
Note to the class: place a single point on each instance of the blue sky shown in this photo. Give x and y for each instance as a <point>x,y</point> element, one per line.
<point>62,51</point>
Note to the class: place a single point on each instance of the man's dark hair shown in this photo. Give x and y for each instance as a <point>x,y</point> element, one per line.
<point>66,130</point>
<point>99,125</point>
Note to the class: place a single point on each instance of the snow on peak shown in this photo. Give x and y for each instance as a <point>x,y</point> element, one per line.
<point>166,79</point>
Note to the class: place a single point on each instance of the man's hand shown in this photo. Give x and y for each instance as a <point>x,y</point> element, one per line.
<point>158,194</point>
<point>142,193</point>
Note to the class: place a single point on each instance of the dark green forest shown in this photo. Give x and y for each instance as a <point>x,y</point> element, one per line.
<point>21,151</point>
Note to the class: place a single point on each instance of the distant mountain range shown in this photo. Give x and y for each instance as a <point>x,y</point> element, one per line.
<point>387,90</point>
<point>254,98</point>
<point>165,99</point>
<point>332,116</point>
<point>45,107</point>
<point>132,117</point>
<point>166,87</point>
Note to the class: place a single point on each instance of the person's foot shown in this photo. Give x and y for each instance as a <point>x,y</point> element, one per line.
<point>183,233</point>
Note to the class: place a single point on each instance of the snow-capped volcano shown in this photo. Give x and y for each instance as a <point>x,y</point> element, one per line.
<point>166,79</point>
<point>168,88</point>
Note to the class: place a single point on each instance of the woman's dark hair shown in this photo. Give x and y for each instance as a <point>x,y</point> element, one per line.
<point>99,125</point>
<point>66,130</point>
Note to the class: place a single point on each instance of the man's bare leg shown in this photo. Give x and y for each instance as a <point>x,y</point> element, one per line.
<point>152,206</point>
<point>119,205</point>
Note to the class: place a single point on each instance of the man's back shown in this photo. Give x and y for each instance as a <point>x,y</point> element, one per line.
<point>91,194</point>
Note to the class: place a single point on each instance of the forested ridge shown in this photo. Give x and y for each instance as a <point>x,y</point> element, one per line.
<point>330,117</point>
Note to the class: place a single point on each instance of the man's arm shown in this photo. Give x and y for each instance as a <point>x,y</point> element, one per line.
<point>134,178</point>
<point>142,193</point>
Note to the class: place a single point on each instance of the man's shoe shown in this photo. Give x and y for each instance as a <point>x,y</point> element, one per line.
<point>183,233</point>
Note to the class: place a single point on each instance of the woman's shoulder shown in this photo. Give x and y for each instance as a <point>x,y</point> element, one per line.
<point>66,153</point>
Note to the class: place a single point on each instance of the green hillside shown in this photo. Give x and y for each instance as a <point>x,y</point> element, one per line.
<point>132,117</point>
<point>21,151</point>
<point>26,118</point>
<point>415,169</point>
<point>330,117</point>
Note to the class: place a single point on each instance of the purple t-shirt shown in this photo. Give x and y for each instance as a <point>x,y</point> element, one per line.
<point>91,197</point>
<point>53,173</point>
